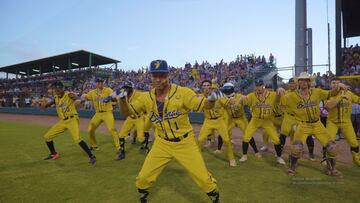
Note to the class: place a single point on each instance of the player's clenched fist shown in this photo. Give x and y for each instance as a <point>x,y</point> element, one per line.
<point>215,95</point>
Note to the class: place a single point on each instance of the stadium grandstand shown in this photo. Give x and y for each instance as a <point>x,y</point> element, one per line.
<point>78,70</point>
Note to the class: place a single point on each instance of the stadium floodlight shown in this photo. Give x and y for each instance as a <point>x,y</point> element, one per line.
<point>56,67</point>
<point>35,70</point>
<point>75,64</point>
<point>21,72</point>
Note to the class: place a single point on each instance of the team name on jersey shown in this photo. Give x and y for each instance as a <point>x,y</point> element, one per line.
<point>172,114</point>
<point>301,105</point>
<point>233,107</point>
<point>262,105</point>
<point>155,118</point>
<point>98,99</point>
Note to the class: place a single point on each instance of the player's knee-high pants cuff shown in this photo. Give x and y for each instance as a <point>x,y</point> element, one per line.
<point>229,150</point>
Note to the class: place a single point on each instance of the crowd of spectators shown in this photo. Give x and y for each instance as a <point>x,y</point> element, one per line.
<point>20,92</point>
<point>351,59</point>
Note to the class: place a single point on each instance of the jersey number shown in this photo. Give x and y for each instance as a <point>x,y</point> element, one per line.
<point>176,126</point>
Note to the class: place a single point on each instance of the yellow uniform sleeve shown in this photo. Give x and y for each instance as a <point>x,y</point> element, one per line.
<point>192,100</point>
<point>139,103</point>
<point>322,94</point>
<point>355,99</point>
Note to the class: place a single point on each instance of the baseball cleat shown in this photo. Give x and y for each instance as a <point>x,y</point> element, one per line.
<point>120,155</point>
<point>280,160</point>
<point>258,155</point>
<point>334,172</point>
<point>263,148</point>
<point>312,156</point>
<point>94,148</point>
<point>92,160</point>
<point>207,143</point>
<point>217,151</point>
<point>52,156</point>
<point>232,162</point>
<point>243,158</point>
<point>291,172</point>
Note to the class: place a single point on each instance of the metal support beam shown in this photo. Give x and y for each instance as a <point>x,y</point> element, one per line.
<point>300,36</point>
<point>309,51</point>
<point>338,37</point>
<point>69,63</point>
<point>90,60</point>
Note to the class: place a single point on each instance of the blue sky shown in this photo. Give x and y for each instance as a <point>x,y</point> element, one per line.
<point>138,31</point>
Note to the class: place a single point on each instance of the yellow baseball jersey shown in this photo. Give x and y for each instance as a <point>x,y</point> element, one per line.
<point>136,95</point>
<point>234,110</point>
<point>262,108</point>
<point>97,97</point>
<point>305,109</point>
<point>216,112</point>
<point>65,106</point>
<point>287,110</point>
<point>342,111</point>
<point>173,121</point>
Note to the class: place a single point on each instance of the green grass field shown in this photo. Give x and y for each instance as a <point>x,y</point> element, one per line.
<point>25,177</point>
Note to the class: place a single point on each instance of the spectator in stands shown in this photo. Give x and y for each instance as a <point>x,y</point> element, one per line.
<point>27,102</point>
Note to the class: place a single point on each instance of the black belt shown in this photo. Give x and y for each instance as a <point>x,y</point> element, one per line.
<point>177,139</point>
<point>291,114</point>
<point>277,116</point>
<point>214,118</point>
<point>69,117</point>
<point>310,121</point>
<point>101,111</point>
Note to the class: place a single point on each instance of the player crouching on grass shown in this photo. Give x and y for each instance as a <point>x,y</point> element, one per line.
<point>339,117</point>
<point>236,116</point>
<point>136,122</point>
<point>262,104</point>
<point>69,120</point>
<point>168,105</point>
<point>102,102</point>
<point>214,120</point>
<point>305,104</point>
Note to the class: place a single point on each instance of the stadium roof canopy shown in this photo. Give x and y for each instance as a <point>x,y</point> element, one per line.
<point>66,61</point>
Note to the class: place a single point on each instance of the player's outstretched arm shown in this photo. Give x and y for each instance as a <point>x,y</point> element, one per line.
<point>44,105</point>
<point>212,98</point>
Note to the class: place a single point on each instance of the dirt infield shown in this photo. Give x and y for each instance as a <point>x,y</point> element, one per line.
<point>344,157</point>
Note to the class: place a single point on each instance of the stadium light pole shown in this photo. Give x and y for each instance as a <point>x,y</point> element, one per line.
<point>300,36</point>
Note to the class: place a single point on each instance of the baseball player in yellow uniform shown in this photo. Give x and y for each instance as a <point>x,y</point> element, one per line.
<point>69,120</point>
<point>133,121</point>
<point>101,100</point>
<point>304,103</point>
<point>262,103</point>
<point>339,117</point>
<point>214,120</point>
<point>278,118</point>
<point>236,116</point>
<point>167,105</point>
